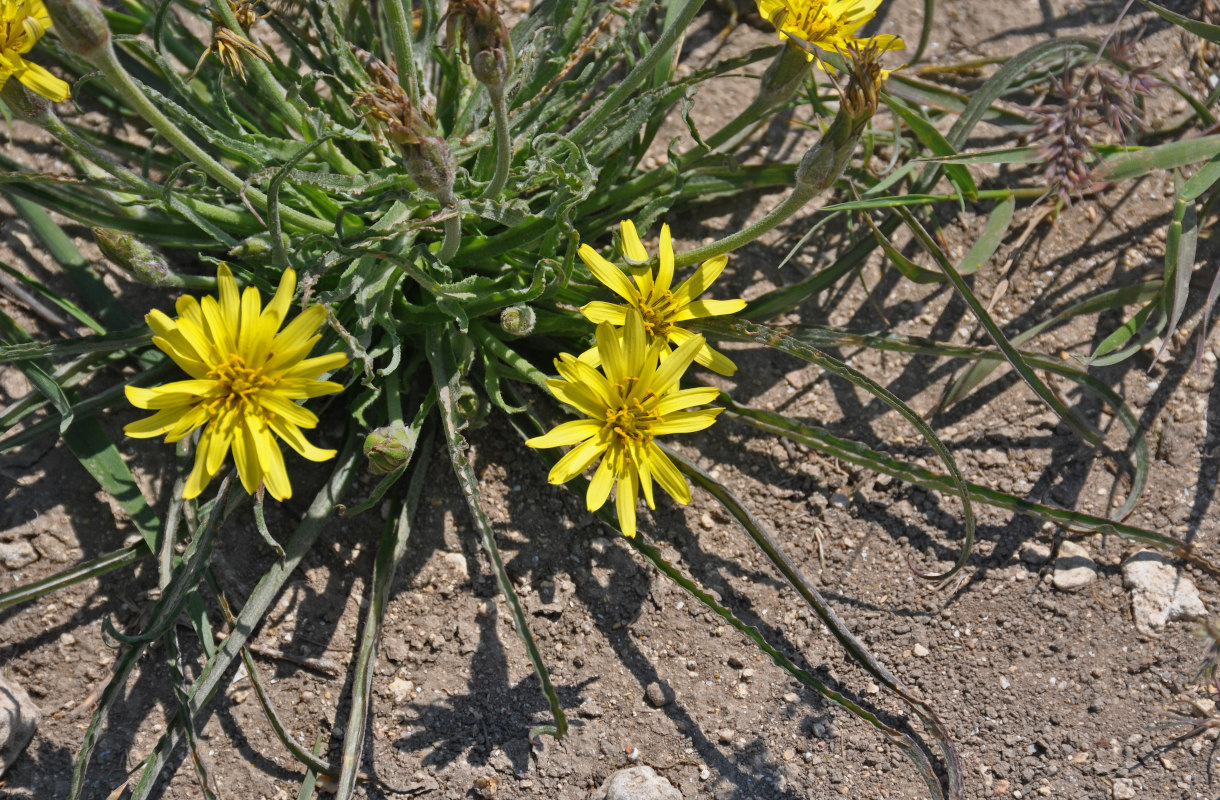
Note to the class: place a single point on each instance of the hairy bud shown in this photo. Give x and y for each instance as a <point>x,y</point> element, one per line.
<point>387,448</point>
<point>135,258</point>
<point>26,105</point>
<point>487,47</point>
<point>518,320</point>
<point>81,26</point>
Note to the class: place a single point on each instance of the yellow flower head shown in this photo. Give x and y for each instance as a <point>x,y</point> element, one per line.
<point>245,376</point>
<point>826,25</point>
<point>660,305</point>
<point>22,24</point>
<point>634,401</point>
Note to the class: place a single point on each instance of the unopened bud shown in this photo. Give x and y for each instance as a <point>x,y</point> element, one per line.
<point>387,448</point>
<point>80,25</point>
<point>135,258</point>
<point>490,67</point>
<point>255,247</point>
<point>518,320</point>
<point>430,165</point>
<point>26,105</point>
<point>471,405</point>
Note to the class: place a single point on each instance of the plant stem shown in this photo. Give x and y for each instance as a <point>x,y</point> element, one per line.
<point>453,238</point>
<point>124,85</point>
<point>504,142</point>
<point>398,15</point>
<point>643,68</point>
<point>818,170</point>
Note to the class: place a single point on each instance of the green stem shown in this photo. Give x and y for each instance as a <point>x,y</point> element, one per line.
<point>504,142</point>
<point>453,238</point>
<point>398,15</point>
<point>126,87</point>
<point>644,68</point>
<point>818,170</point>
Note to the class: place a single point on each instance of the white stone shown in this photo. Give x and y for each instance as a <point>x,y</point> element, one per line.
<point>636,783</point>
<point>400,690</point>
<point>1123,789</point>
<point>1074,569</point>
<point>456,564</point>
<point>18,719</point>
<point>1159,594</point>
<point>921,650</point>
<point>1035,553</point>
<point>18,554</point>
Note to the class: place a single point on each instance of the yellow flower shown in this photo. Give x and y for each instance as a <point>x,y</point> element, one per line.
<point>22,24</point>
<point>660,306</point>
<point>245,374</point>
<point>636,400</point>
<point>828,25</point>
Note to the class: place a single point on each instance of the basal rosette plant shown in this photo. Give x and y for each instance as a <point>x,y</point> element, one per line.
<point>424,191</point>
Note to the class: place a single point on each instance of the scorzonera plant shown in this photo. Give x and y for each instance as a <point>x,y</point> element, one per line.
<point>425,191</point>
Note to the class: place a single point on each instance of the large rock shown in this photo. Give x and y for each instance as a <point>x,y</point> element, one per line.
<point>1074,569</point>
<point>636,783</point>
<point>18,719</point>
<point>1159,594</point>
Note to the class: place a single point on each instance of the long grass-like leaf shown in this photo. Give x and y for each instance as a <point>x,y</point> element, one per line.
<point>390,552</point>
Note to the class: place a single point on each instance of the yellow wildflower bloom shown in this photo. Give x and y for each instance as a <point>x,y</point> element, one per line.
<point>828,25</point>
<point>245,374</point>
<point>660,306</point>
<point>634,401</point>
<point>22,24</point>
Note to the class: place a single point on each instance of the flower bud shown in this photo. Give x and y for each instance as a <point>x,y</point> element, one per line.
<point>430,165</point>
<point>387,448</point>
<point>80,25</point>
<point>518,320</point>
<point>783,76</point>
<point>135,258</point>
<point>471,405</point>
<point>26,105</point>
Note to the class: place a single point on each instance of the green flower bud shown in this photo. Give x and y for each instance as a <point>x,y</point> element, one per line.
<point>135,258</point>
<point>518,320</point>
<point>80,25</point>
<point>471,405</point>
<point>430,165</point>
<point>255,247</point>
<point>387,448</point>
<point>29,106</point>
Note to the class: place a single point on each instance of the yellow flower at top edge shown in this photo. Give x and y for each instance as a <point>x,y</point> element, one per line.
<point>826,25</point>
<point>661,306</point>
<point>22,24</point>
<point>632,400</point>
<point>245,376</point>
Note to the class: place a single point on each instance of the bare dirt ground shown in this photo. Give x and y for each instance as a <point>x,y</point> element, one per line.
<point>1046,692</point>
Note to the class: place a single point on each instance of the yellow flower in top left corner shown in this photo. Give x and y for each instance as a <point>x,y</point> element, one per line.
<point>245,376</point>
<point>22,24</point>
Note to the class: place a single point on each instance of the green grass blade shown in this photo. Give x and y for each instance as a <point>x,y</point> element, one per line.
<point>257,604</point>
<point>1201,29</point>
<point>817,603</point>
<point>390,552</point>
<point>991,237</point>
<point>447,379</point>
<point>94,568</point>
<point>779,339</point>
<point>1135,163</point>
<point>1081,426</point>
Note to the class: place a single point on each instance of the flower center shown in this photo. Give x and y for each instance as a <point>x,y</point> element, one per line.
<point>657,313</point>
<point>631,421</point>
<point>814,22</point>
<point>19,32</point>
<point>237,387</point>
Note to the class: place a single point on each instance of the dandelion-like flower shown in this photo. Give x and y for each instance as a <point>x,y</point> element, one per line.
<point>636,400</point>
<point>825,25</point>
<point>22,24</point>
<point>661,307</point>
<point>245,376</point>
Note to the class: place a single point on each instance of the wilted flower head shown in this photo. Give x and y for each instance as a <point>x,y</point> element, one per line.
<point>484,36</point>
<point>245,378</point>
<point>826,25</point>
<point>22,24</point>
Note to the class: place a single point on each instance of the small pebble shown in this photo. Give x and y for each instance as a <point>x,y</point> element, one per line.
<point>725,735</point>
<point>921,650</point>
<point>735,662</point>
<point>747,675</point>
<point>704,774</point>
<point>658,695</point>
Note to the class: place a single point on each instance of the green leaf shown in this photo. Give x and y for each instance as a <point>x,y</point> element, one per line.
<point>1201,29</point>
<point>931,138</point>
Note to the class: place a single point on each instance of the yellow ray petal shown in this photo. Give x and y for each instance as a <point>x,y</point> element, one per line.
<point>667,474</point>
<point>297,441</point>
<point>610,275</point>
<point>665,269</point>
<point>625,501</point>
<point>602,483</point>
<point>568,433</point>
<point>598,311</point>
<point>686,421</point>
<point>576,460</point>
<point>704,276</point>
